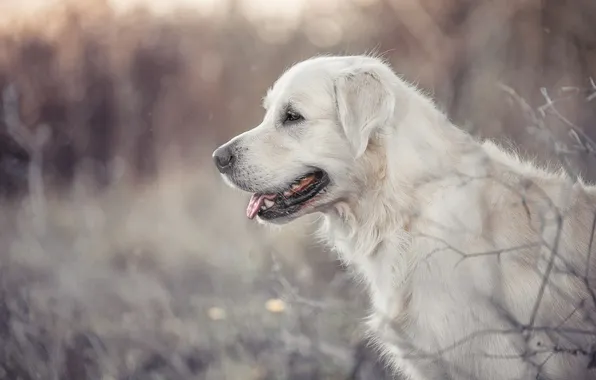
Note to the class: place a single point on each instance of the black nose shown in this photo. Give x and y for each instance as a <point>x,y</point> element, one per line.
<point>223,158</point>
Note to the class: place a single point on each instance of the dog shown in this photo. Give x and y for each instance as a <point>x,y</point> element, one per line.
<point>478,263</point>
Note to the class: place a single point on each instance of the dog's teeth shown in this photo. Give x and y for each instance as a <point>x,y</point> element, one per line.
<point>268,203</point>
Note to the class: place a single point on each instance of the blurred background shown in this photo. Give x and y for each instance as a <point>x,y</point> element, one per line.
<point>122,253</point>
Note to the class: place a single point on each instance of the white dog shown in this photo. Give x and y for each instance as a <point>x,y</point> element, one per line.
<point>478,264</point>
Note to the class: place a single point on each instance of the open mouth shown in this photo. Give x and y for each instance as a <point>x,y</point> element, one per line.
<point>289,201</point>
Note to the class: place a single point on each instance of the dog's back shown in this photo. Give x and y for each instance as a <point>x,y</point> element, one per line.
<point>501,284</point>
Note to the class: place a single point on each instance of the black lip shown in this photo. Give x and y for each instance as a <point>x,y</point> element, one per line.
<point>286,206</point>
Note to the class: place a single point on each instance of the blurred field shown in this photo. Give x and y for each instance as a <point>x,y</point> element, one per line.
<point>123,255</point>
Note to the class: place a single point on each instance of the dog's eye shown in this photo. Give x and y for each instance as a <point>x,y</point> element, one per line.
<point>292,117</point>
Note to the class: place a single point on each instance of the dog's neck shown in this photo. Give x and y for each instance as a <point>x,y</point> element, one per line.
<point>391,174</point>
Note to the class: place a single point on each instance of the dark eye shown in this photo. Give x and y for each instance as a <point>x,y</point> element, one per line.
<point>292,117</point>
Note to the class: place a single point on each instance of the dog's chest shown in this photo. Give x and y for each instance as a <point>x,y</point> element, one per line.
<point>381,263</point>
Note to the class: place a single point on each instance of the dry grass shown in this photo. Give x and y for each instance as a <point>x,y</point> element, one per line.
<point>137,281</point>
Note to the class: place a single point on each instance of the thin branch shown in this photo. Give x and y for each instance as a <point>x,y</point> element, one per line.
<point>33,143</point>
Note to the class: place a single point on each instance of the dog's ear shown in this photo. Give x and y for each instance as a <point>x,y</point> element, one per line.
<point>364,103</point>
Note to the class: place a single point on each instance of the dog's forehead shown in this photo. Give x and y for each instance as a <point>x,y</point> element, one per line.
<point>306,80</point>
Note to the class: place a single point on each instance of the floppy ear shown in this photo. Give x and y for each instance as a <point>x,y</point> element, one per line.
<point>364,104</point>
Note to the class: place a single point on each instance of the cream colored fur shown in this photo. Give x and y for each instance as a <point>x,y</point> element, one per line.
<point>453,237</point>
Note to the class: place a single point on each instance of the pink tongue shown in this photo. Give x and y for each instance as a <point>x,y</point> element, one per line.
<point>255,203</point>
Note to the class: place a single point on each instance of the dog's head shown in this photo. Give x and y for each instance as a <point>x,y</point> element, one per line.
<point>320,117</point>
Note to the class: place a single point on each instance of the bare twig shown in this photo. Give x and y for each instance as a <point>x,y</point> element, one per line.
<point>33,143</point>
